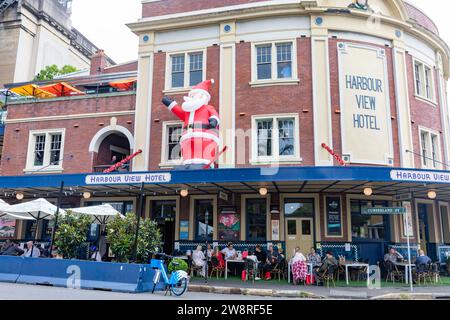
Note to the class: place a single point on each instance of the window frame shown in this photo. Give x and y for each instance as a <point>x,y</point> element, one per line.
<point>427,85</point>
<point>256,159</point>
<point>430,149</point>
<point>274,63</point>
<point>165,162</point>
<point>46,166</point>
<point>187,53</point>
<point>247,219</point>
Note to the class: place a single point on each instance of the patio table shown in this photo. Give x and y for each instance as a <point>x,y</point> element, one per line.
<point>354,264</point>
<point>310,270</point>
<point>231,260</point>
<point>407,266</point>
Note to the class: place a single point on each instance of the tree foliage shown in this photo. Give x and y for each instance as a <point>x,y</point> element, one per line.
<point>49,72</point>
<point>71,233</point>
<point>121,234</point>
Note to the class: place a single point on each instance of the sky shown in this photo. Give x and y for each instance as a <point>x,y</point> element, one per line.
<point>103,23</point>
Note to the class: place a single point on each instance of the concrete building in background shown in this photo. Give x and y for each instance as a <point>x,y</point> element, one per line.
<point>38,33</point>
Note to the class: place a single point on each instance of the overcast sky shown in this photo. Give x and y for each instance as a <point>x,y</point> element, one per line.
<point>103,22</point>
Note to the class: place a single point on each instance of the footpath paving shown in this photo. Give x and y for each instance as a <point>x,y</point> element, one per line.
<point>283,289</point>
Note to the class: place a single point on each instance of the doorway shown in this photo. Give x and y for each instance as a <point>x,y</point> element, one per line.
<point>164,213</point>
<point>299,224</point>
<point>425,211</point>
<point>299,234</point>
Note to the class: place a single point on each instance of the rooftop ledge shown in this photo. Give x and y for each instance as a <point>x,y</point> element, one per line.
<point>74,97</point>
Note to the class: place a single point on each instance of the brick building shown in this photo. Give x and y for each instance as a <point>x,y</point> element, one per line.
<point>294,81</point>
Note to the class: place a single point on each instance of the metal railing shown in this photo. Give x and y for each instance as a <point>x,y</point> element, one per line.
<point>103,167</point>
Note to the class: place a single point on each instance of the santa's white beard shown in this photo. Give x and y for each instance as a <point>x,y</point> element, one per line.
<point>190,105</point>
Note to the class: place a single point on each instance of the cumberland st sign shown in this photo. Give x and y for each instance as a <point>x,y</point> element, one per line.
<point>420,176</point>
<point>147,178</point>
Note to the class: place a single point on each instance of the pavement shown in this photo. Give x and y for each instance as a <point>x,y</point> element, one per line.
<point>232,289</point>
<point>282,289</point>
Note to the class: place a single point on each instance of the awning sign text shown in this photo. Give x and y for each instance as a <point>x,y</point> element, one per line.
<point>420,176</point>
<point>147,178</point>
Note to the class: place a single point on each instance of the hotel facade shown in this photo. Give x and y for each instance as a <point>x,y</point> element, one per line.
<point>327,109</point>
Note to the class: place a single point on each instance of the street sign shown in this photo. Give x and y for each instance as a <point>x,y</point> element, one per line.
<point>384,211</point>
<point>403,197</point>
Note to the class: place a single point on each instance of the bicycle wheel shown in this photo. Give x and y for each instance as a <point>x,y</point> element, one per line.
<point>179,288</point>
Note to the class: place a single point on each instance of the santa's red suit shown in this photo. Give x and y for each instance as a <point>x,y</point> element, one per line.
<point>200,138</point>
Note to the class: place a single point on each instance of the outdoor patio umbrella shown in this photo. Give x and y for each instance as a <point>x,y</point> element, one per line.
<point>39,209</point>
<point>4,208</point>
<point>100,215</point>
<point>32,90</point>
<point>61,89</point>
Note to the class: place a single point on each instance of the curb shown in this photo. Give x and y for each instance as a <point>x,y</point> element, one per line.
<point>254,292</point>
<point>405,296</point>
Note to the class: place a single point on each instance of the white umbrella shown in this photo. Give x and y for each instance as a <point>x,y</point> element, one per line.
<point>5,207</point>
<point>99,214</point>
<point>39,209</point>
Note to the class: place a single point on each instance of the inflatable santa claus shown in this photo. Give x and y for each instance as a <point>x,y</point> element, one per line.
<point>200,137</point>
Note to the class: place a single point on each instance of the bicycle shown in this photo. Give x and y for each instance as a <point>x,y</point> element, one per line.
<point>177,283</point>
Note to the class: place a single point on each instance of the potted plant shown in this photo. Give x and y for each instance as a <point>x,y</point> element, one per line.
<point>71,234</point>
<point>121,235</point>
<point>178,264</point>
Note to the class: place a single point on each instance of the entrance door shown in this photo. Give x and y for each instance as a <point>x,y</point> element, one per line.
<point>425,211</point>
<point>299,233</point>
<point>164,212</point>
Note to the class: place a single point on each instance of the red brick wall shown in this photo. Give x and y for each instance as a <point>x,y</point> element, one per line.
<point>276,99</point>
<point>164,7</point>
<point>132,66</point>
<point>160,113</point>
<point>77,157</point>
<point>422,113</point>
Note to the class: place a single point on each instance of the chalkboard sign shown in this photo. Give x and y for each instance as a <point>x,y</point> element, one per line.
<point>334,216</point>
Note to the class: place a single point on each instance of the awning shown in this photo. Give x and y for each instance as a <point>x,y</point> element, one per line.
<point>126,84</point>
<point>33,91</point>
<point>39,209</point>
<point>61,89</point>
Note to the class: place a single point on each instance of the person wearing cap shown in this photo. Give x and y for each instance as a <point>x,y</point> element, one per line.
<point>96,256</point>
<point>200,138</point>
<point>328,262</point>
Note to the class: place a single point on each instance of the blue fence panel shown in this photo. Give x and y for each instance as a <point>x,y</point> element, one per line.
<point>86,274</point>
<point>238,245</point>
<point>10,268</point>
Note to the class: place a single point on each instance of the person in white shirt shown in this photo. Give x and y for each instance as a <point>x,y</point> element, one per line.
<point>96,255</point>
<point>199,260</point>
<point>229,252</point>
<point>32,251</point>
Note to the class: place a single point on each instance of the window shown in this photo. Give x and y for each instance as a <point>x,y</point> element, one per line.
<point>204,211</point>
<point>445,224</point>
<point>424,83</point>
<point>256,210</point>
<point>299,208</point>
<point>45,150</point>
<point>430,149</point>
<point>187,69</point>
<point>275,138</point>
<point>171,151</point>
<point>274,62</point>
<point>369,227</point>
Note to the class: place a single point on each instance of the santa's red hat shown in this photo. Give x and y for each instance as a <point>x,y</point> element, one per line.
<point>204,87</point>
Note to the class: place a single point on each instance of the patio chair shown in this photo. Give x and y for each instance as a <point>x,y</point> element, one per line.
<point>423,273</point>
<point>251,269</point>
<point>340,271</point>
<point>362,272</point>
<point>278,270</point>
<point>435,273</point>
<point>216,267</point>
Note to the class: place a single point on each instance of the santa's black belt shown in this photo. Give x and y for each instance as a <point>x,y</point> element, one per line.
<point>200,126</point>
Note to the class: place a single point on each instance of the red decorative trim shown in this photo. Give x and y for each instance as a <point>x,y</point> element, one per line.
<point>119,164</point>
<point>336,156</point>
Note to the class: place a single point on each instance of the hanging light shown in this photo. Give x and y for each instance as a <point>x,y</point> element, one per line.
<point>263,191</point>
<point>184,193</point>
<point>368,191</point>
<point>19,196</point>
<point>432,194</point>
<point>87,195</point>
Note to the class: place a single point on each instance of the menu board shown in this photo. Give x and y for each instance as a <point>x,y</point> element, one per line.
<point>334,216</point>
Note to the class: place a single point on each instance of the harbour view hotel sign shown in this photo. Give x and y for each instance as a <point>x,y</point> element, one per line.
<point>147,178</point>
<point>364,103</point>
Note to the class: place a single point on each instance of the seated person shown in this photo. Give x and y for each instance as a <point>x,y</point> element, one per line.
<point>229,252</point>
<point>422,259</point>
<point>329,261</point>
<point>13,250</point>
<point>5,246</point>
<point>393,256</point>
<point>216,253</point>
<point>299,267</point>
<point>314,258</point>
<point>199,260</point>
<point>251,263</point>
<point>32,251</point>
